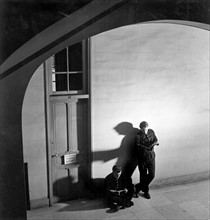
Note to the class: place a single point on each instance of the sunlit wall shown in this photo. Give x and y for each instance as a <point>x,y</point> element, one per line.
<point>34,138</point>
<point>158,73</point>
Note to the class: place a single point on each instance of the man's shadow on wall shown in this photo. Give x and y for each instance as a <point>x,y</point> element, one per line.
<point>125,154</point>
<point>126,157</point>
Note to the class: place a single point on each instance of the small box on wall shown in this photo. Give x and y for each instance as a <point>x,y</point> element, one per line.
<point>70,158</point>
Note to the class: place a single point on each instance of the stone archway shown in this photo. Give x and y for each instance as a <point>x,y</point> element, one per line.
<point>17,70</point>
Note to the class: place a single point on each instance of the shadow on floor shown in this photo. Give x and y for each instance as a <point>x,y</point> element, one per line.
<point>87,205</point>
<point>84,205</point>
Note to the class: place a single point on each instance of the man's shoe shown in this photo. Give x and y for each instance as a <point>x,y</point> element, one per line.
<point>118,207</point>
<point>131,203</point>
<point>147,195</point>
<point>127,204</point>
<point>135,195</point>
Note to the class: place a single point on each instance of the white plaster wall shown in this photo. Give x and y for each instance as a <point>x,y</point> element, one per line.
<point>158,73</point>
<point>34,139</point>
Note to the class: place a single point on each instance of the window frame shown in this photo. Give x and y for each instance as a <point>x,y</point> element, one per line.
<point>85,70</point>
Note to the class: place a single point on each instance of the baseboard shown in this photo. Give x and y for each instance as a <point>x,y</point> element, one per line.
<point>38,203</point>
<point>178,180</point>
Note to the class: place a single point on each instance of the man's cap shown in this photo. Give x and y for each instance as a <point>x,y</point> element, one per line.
<point>143,124</point>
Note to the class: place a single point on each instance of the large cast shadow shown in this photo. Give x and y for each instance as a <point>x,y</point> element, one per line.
<point>126,158</point>
<point>125,153</point>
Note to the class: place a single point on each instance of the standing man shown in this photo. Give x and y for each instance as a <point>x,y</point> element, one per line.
<point>145,142</point>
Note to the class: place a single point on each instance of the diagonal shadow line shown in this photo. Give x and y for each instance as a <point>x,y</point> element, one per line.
<point>61,39</point>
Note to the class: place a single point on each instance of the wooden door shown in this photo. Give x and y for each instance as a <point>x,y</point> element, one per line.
<point>69,146</point>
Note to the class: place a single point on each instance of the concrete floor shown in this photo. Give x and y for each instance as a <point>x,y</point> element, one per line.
<point>187,201</point>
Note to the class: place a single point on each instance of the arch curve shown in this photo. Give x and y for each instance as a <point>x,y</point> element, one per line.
<point>93,19</point>
<point>17,70</point>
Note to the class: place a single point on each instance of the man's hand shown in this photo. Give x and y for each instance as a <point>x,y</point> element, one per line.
<point>119,191</point>
<point>156,143</point>
<point>114,191</point>
<point>150,147</point>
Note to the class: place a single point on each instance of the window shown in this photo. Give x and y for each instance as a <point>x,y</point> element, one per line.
<point>68,70</point>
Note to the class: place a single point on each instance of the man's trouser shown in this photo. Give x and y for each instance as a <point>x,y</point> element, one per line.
<point>146,167</point>
<point>113,198</point>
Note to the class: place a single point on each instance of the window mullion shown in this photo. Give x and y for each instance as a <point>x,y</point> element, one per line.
<point>67,51</point>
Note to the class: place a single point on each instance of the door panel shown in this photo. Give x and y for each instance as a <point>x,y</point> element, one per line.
<point>69,147</point>
<point>60,127</point>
